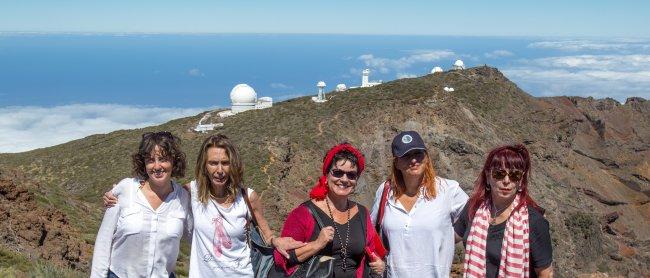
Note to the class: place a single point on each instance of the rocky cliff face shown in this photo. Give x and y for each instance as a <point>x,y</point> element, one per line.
<point>591,162</point>
<point>36,231</point>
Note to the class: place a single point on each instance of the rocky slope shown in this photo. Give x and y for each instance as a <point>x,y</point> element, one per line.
<point>591,162</point>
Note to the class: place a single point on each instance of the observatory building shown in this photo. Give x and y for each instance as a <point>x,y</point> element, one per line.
<point>321,92</point>
<point>458,65</point>
<point>244,98</point>
<point>341,88</point>
<point>436,70</point>
<point>365,79</point>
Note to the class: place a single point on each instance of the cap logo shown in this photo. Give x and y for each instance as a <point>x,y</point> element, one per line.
<point>407,139</point>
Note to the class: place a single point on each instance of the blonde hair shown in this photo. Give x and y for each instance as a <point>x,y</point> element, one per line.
<point>428,182</point>
<point>203,177</point>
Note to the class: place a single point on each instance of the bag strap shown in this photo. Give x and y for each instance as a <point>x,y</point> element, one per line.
<point>314,214</point>
<point>382,206</point>
<point>250,207</point>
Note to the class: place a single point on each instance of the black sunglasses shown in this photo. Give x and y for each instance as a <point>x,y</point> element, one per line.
<point>515,175</point>
<point>339,174</point>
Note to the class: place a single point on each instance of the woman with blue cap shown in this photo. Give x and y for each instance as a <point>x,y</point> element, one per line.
<point>414,211</point>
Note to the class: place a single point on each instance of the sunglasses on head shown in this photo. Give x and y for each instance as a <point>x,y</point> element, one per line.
<point>339,174</point>
<point>515,175</point>
<point>159,133</point>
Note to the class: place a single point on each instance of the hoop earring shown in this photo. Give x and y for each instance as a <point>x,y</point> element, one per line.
<point>487,188</point>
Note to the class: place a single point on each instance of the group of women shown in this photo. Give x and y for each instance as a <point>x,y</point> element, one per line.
<point>415,220</point>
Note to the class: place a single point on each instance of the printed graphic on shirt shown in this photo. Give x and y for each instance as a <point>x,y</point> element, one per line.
<point>221,238</point>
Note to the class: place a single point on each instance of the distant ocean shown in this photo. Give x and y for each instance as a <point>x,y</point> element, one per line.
<point>195,72</point>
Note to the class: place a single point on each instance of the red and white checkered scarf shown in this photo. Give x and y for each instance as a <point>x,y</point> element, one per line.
<point>515,261</point>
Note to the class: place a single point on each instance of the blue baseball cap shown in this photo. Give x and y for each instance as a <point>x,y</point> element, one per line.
<point>405,142</point>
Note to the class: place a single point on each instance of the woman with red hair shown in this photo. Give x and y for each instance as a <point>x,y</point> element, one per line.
<point>414,211</point>
<point>503,229</point>
<point>347,231</point>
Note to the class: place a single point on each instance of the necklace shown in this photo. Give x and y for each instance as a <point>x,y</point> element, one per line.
<point>494,213</point>
<point>344,246</point>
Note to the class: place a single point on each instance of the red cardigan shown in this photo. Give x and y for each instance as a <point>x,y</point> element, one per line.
<point>300,226</point>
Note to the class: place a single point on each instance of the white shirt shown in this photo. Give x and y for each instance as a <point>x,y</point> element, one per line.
<point>219,246</point>
<point>421,241</point>
<point>135,240</point>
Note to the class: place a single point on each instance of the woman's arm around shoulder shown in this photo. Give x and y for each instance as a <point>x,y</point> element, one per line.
<point>281,244</point>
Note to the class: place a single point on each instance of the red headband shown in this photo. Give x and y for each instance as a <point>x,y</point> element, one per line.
<point>319,191</point>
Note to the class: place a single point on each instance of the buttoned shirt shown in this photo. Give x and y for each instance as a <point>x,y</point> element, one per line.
<point>421,240</point>
<point>134,239</point>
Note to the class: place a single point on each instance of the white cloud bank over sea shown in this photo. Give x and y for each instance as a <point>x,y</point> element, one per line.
<point>24,128</point>
<point>616,76</point>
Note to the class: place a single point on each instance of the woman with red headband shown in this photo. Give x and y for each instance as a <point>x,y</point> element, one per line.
<point>503,229</point>
<point>347,234</point>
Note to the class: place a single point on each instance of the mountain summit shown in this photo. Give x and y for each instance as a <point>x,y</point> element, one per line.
<point>591,158</point>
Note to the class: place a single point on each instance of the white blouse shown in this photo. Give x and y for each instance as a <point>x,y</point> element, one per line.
<point>135,240</point>
<point>219,246</point>
<point>421,241</point>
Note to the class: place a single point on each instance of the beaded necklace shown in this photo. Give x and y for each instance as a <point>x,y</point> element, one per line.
<point>344,245</point>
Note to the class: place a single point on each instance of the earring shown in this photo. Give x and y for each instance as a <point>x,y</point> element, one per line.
<point>487,188</point>
<point>519,189</point>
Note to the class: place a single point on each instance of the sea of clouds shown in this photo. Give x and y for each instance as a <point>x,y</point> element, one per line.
<point>29,127</point>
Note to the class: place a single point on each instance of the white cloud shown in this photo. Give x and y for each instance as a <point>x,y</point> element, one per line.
<point>498,54</point>
<point>24,128</point>
<point>599,84</point>
<point>195,72</point>
<point>385,65</point>
<point>582,45</point>
<point>598,62</point>
<point>615,75</point>
<point>280,86</point>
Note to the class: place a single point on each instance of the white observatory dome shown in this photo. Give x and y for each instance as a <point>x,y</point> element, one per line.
<point>341,87</point>
<point>437,69</point>
<point>242,93</point>
<point>459,64</point>
<point>321,84</point>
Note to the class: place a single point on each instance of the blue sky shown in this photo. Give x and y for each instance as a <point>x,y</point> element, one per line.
<point>474,18</point>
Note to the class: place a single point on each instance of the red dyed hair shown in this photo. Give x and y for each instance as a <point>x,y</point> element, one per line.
<point>319,191</point>
<point>510,157</point>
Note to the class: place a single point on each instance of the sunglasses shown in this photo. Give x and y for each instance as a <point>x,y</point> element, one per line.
<point>418,155</point>
<point>339,174</point>
<point>514,175</point>
<point>156,134</point>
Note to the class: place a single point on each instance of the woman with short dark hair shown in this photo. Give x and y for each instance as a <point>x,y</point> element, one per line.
<point>503,229</point>
<point>140,236</point>
<point>347,235</point>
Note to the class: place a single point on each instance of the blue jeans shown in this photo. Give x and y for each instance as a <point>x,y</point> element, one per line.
<point>112,275</point>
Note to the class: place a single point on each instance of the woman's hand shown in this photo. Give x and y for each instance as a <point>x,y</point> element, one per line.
<point>325,236</point>
<point>109,199</point>
<point>377,265</point>
<point>283,244</point>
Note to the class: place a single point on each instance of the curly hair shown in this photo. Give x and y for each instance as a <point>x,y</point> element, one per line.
<point>170,148</point>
